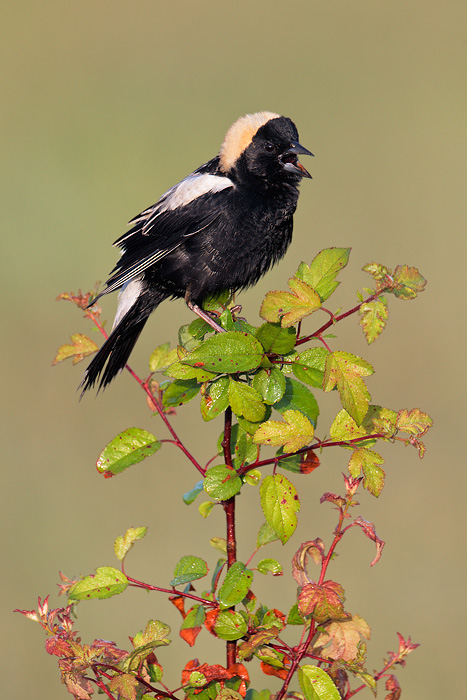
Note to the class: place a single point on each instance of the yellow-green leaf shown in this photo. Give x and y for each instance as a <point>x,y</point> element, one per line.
<point>81,346</point>
<point>294,433</point>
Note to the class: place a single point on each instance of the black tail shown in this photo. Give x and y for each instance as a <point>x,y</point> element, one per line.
<point>114,354</point>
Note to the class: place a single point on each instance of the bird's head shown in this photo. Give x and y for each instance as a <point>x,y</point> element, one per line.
<point>264,145</point>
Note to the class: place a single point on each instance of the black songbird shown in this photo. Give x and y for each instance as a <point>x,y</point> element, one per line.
<point>220,228</point>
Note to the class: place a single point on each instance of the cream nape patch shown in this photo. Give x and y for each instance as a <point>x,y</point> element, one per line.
<point>239,137</point>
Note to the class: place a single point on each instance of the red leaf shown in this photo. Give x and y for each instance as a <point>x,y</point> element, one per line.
<point>189,635</point>
<point>392,684</point>
<point>211,619</point>
<point>56,646</point>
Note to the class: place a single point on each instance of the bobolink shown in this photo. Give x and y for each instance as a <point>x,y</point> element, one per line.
<point>221,228</point>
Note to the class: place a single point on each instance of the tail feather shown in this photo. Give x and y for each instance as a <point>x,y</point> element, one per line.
<point>114,354</point>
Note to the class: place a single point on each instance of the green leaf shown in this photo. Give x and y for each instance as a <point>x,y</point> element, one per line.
<point>236,585</point>
<point>205,508</point>
<point>289,308</point>
<point>192,494</point>
<point>213,302</point>
<point>409,282</point>
<point>124,686</point>
<point>242,444</point>
<point>194,618</point>
<point>189,568</point>
<point>346,371</point>
<point>265,535</point>
<point>294,433</point>
<point>180,391</point>
<point>316,684</point>
<point>222,483</point>
<point>373,317</point>
<point>270,383</point>
<point>298,398</point>
<point>219,543</point>
<point>253,477</point>
<point>162,357</point>
<point>215,399</point>
<point>155,631</point>
<point>229,352</point>
<point>126,449</point>
<point>276,339</point>
<point>230,625</point>
<point>377,271</point>
<point>246,401</point>
<point>345,428</point>
<point>270,566</point>
<point>368,462</point>
<point>321,274</point>
<point>122,545</point>
<point>309,366</point>
<point>105,583</point>
<point>294,617</point>
<point>280,504</point>
<point>179,371</point>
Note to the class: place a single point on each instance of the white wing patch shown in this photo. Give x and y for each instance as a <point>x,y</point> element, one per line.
<point>127,297</point>
<point>180,195</point>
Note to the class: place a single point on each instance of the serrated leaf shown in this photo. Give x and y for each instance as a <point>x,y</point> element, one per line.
<point>294,617</point>
<point>276,339</point>
<point>345,371</point>
<point>105,583</point>
<point>229,352</point>
<point>123,544</point>
<point>321,274</point>
<point>155,631</point>
<point>373,317</point>
<point>345,428</point>
<point>294,433</point>
<point>289,308</point>
<point>297,397</point>
<point>189,568</point>
<point>302,463</point>
<point>180,391</point>
<point>322,601</point>
<point>377,271</point>
<point>215,399</point>
<point>222,483</point>
<point>270,383</point>
<point>280,504</point>
<point>380,420</point>
<point>316,684</point>
<point>367,462</point>
<point>161,357</point>
<point>81,346</point>
<point>213,302</point>
<point>414,422</point>
<point>124,685</point>
<point>126,449</point>
<point>341,638</point>
<point>236,585</point>
<point>230,625</point>
<point>309,366</point>
<point>246,401</point>
<point>270,566</point>
<point>409,282</point>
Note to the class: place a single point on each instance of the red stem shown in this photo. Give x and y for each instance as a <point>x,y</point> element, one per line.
<point>229,510</point>
<point>171,591</point>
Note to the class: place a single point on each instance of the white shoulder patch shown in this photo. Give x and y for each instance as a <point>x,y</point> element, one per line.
<point>127,297</point>
<point>190,188</point>
<point>239,137</point>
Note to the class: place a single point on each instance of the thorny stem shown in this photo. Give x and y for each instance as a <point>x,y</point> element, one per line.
<point>302,648</point>
<point>229,510</point>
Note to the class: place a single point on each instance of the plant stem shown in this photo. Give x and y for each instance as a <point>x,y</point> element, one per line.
<point>171,591</point>
<point>229,510</point>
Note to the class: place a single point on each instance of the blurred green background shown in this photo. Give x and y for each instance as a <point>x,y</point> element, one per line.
<point>104,106</point>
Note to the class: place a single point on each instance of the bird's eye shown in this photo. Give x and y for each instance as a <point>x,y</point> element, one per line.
<point>269,147</point>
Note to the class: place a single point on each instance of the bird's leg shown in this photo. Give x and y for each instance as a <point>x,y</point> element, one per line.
<point>204,315</point>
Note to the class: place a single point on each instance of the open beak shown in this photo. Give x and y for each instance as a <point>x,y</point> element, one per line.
<point>290,161</point>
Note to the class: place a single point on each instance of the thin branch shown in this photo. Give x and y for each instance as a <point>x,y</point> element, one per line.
<point>171,591</point>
